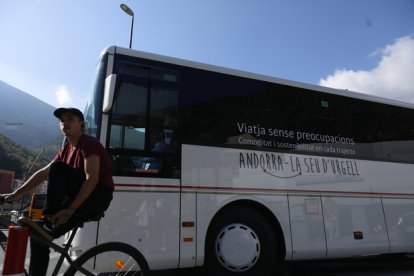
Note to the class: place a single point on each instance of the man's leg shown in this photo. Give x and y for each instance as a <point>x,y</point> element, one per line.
<point>39,259</point>
<point>97,202</point>
<point>63,183</point>
<point>95,205</point>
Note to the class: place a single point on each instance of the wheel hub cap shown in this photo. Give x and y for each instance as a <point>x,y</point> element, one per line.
<point>237,247</point>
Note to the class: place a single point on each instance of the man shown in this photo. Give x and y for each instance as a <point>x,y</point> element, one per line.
<point>157,141</point>
<point>80,186</point>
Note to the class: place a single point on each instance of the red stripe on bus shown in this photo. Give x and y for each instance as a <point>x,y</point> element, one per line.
<point>261,189</point>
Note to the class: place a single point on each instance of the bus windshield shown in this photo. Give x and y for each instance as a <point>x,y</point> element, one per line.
<point>92,110</point>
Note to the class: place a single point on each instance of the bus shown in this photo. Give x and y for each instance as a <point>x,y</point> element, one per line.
<point>243,173</point>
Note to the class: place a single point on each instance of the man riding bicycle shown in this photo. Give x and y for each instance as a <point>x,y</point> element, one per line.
<point>80,186</point>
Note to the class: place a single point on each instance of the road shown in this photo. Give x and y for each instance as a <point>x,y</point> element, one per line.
<point>385,266</point>
<point>398,265</point>
<point>378,266</point>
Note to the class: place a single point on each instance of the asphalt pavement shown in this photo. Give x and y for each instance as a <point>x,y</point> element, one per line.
<point>395,265</point>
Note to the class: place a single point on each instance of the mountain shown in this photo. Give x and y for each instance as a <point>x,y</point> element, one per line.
<point>19,159</point>
<point>25,119</point>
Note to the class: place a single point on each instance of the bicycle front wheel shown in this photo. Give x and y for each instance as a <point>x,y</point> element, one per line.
<point>112,258</point>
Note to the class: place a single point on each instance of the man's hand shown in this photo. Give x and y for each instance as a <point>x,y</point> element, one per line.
<point>4,198</point>
<point>61,217</point>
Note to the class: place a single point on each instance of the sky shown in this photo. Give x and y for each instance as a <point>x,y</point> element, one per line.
<point>49,48</point>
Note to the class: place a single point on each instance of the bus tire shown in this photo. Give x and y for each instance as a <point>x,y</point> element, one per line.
<point>241,242</point>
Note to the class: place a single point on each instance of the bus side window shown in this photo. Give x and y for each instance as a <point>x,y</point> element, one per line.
<point>142,131</point>
<point>129,117</point>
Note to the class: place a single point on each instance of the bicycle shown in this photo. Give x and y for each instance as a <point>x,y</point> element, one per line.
<point>115,258</point>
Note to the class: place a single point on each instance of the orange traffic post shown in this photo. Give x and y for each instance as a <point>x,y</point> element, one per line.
<point>15,251</point>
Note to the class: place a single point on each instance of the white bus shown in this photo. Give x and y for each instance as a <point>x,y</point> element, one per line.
<point>249,171</point>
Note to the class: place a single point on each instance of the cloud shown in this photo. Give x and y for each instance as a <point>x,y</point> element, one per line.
<point>62,95</point>
<point>393,77</point>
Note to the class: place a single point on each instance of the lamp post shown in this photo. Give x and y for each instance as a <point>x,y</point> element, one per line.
<point>130,12</point>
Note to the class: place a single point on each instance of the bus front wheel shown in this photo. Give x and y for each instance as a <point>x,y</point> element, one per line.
<point>241,242</point>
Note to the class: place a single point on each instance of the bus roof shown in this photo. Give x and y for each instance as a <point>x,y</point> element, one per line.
<point>235,72</point>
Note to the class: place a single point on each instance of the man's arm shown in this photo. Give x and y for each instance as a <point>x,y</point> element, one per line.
<point>35,180</point>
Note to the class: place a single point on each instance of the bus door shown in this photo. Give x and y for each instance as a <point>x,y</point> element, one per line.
<point>144,144</point>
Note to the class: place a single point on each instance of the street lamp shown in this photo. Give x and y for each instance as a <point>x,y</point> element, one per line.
<point>128,11</point>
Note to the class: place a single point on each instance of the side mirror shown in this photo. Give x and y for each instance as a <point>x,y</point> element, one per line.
<point>109,92</point>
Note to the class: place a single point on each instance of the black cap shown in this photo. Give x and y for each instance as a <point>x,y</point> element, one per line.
<point>58,112</point>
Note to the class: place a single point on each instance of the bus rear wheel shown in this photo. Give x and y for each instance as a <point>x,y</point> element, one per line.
<point>241,242</point>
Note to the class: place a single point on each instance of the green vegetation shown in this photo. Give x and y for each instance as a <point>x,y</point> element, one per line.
<point>19,159</point>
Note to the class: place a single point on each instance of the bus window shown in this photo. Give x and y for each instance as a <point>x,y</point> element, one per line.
<point>143,129</point>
